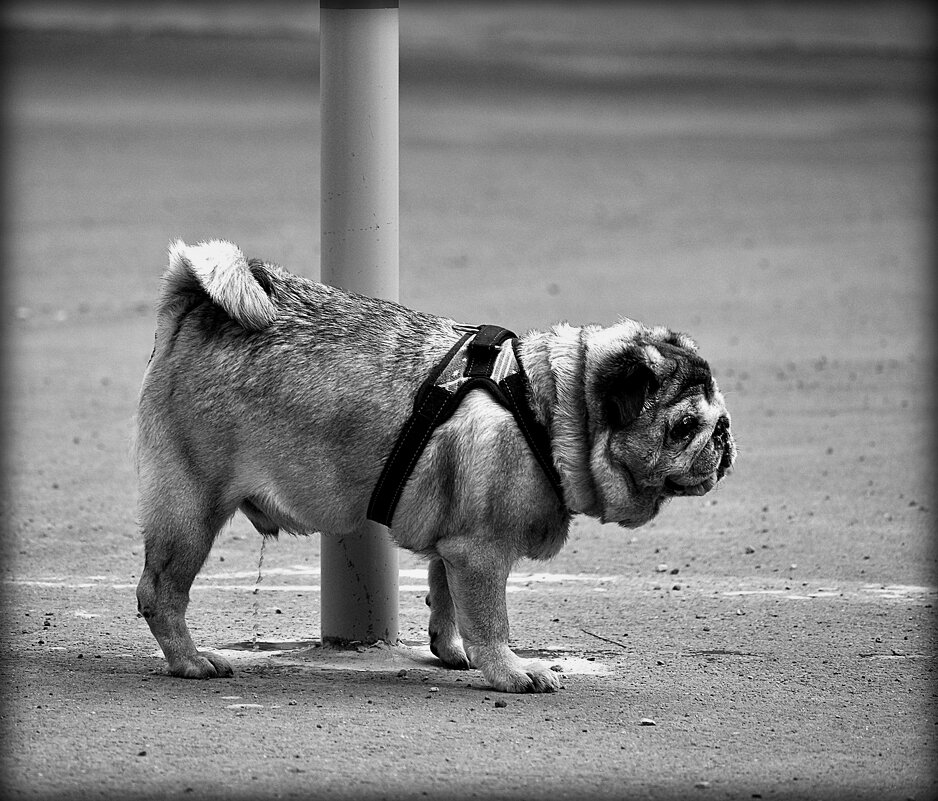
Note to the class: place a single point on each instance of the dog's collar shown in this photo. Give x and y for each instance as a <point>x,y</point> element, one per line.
<point>484,357</point>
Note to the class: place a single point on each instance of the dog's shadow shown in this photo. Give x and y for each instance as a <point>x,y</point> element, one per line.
<point>355,656</point>
<point>381,657</point>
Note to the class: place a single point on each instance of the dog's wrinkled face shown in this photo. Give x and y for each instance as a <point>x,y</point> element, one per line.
<point>665,432</point>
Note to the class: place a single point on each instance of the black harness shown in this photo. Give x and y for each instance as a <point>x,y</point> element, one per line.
<point>477,361</point>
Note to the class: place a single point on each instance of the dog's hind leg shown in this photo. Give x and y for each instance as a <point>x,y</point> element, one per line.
<point>445,642</point>
<point>177,539</point>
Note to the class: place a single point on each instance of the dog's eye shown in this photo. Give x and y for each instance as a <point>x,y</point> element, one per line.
<point>683,428</point>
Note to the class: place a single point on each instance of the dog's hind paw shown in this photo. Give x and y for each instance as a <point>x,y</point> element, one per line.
<point>205,665</point>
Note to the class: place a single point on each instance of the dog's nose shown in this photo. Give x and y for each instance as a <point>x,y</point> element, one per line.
<point>720,430</point>
<point>722,441</point>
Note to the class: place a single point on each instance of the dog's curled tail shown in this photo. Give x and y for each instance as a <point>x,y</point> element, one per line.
<point>221,271</point>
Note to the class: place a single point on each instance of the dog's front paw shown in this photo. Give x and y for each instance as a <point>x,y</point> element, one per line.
<point>508,674</point>
<point>204,665</point>
<point>447,647</point>
<point>529,677</point>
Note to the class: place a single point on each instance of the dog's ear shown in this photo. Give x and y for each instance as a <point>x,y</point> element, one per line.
<point>680,340</point>
<point>623,383</point>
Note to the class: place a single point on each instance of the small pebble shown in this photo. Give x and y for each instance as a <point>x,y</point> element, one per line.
<point>702,785</point>
<point>647,722</point>
<point>500,704</point>
<point>662,568</point>
<point>434,689</point>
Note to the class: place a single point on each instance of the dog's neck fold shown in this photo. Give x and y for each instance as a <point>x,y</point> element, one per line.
<point>559,357</point>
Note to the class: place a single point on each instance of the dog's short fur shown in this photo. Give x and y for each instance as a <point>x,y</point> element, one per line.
<point>282,397</point>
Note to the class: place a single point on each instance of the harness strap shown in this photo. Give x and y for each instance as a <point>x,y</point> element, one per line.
<point>435,403</point>
<point>515,387</point>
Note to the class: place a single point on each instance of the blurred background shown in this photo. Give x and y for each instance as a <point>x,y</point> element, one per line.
<point>559,160</point>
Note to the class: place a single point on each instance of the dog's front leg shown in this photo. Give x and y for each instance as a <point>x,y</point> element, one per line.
<point>445,642</point>
<point>476,582</point>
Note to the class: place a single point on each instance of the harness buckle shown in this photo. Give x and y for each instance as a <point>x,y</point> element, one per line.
<point>484,350</point>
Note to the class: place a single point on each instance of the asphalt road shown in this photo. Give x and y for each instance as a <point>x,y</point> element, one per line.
<point>760,177</point>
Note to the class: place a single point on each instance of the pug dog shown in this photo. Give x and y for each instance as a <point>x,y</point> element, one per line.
<point>280,397</point>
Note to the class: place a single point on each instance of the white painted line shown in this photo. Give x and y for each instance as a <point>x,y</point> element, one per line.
<point>409,573</point>
<point>897,591</point>
<point>414,580</point>
<point>897,656</point>
<point>888,592</point>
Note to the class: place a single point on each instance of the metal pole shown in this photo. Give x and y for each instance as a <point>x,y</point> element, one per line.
<point>359,242</point>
